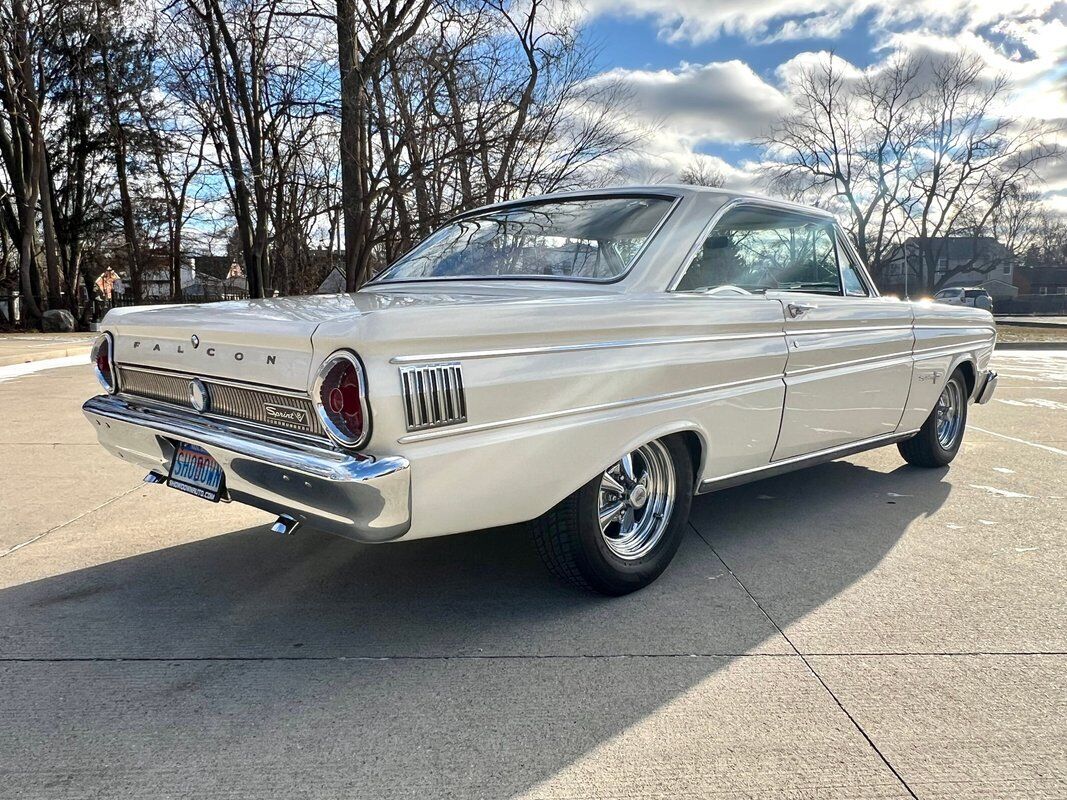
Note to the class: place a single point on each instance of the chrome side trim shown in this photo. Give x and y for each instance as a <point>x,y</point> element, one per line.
<point>891,358</point>
<point>883,360</point>
<point>798,462</point>
<point>567,412</point>
<point>624,343</point>
<point>849,329</point>
<point>955,328</point>
<point>886,360</point>
<point>570,348</point>
<point>950,349</point>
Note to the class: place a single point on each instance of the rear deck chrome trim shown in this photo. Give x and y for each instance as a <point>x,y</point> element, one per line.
<point>229,400</point>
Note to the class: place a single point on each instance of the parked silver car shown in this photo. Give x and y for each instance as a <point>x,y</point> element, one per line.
<point>963,296</point>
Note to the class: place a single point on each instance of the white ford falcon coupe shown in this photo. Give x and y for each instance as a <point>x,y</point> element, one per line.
<point>585,361</point>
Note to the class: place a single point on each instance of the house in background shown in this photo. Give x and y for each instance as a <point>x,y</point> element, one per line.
<point>1042,279</point>
<point>155,277</point>
<point>972,261</point>
<point>216,278</point>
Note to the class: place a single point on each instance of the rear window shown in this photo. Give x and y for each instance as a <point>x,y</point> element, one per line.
<point>976,293</point>
<point>589,239</point>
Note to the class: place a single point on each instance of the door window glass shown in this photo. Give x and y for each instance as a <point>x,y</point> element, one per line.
<point>854,285</point>
<point>759,249</point>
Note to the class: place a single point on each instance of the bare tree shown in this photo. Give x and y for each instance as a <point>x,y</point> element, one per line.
<point>844,145</point>
<point>701,173</point>
<point>129,140</point>
<point>966,161</point>
<point>22,137</point>
<point>385,26</point>
<point>916,148</point>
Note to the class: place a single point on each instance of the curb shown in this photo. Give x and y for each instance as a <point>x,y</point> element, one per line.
<point>43,355</point>
<point>1036,322</point>
<point>1031,346</point>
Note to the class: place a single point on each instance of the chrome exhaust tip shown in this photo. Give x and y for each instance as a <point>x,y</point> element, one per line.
<point>155,477</point>
<point>285,525</point>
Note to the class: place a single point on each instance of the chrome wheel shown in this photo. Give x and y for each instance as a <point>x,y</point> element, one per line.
<point>635,501</point>
<point>949,414</point>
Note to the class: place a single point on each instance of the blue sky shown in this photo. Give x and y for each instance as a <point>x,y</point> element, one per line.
<point>709,75</point>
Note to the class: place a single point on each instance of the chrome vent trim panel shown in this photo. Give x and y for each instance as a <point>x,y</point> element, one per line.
<point>228,400</point>
<point>433,396</point>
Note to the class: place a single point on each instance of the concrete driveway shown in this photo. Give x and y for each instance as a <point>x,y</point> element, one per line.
<point>860,629</point>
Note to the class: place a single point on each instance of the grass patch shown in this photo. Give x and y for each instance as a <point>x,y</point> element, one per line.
<point>1025,333</point>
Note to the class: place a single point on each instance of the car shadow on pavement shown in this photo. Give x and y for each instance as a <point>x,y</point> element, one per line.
<point>446,667</point>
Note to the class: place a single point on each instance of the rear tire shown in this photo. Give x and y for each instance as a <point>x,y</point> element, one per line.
<point>939,439</point>
<point>644,498</point>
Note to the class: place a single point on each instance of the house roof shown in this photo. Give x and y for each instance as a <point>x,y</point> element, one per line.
<point>1046,273</point>
<point>964,248</point>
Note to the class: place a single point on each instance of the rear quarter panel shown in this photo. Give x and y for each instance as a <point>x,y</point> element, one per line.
<point>559,390</point>
<point>945,336</point>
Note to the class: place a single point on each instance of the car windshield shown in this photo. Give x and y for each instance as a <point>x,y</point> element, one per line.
<point>590,239</point>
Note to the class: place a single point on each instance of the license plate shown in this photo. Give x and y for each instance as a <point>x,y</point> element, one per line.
<point>193,470</point>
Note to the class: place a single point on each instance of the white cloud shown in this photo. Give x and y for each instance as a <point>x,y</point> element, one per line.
<point>722,101</point>
<point>700,20</point>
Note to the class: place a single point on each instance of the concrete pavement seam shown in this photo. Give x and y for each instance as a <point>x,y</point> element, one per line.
<point>809,666</point>
<point>500,657</point>
<point>508,657</point>
<point>84,514</point>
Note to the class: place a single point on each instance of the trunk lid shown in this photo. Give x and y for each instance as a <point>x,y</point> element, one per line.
<point>269,341</point>
<point>260,341</point>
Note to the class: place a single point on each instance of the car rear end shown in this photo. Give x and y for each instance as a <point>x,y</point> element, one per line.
<point>232,404</point>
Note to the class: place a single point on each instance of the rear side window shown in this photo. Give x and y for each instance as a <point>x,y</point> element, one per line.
<point>759,249</point>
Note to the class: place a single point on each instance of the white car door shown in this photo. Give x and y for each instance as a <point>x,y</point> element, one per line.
<point>849,365</point>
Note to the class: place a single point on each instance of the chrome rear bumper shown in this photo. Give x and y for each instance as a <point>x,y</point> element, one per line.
<point>987,384</point>
<point>352,495</point>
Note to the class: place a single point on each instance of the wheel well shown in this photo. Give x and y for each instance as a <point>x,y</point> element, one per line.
<point>969,376</point>
<point>696,451</point>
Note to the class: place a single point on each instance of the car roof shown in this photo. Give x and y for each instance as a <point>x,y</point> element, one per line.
<point>672,190</point>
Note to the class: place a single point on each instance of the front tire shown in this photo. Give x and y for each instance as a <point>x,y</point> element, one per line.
<point>939,439</point>
<point>617,533</point>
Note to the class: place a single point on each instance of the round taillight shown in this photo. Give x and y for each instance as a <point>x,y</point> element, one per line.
<point>340,398</point>
<point>103,357</point>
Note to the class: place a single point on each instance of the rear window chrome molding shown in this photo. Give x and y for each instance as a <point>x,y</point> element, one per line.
<point>676,200</point>
<point>332,430</point>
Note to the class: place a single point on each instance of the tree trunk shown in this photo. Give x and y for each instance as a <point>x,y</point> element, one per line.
<point>354,151</point>
<point>51,256</point>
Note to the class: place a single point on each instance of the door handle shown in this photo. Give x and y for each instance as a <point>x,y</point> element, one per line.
<point>799,309</point>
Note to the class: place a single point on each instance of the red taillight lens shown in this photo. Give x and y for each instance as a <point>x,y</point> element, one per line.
<point>102,363</point>
<point>340,399</point>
